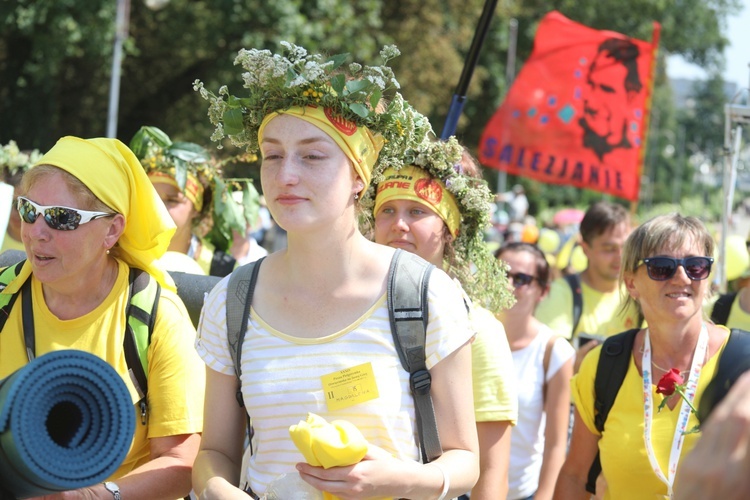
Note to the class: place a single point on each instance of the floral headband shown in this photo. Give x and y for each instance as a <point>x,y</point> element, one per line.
<point>480,273</point>
<point>13,160</point>
<point>191,169</point>
<point>296,79</point>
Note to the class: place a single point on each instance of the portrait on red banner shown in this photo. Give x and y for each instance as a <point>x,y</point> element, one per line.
<point>577,112</point>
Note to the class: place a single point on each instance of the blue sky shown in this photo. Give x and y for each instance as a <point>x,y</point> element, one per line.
<point>737,55</point>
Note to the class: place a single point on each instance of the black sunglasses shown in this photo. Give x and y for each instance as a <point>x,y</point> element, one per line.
<point>60,218</point>
<point>663,268</point>
<point>521,279</point>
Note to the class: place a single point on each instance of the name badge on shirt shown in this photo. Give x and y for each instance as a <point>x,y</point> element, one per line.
<point>350,386</point>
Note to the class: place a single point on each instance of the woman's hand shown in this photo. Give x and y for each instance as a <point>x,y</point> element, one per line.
<point>374,477</point>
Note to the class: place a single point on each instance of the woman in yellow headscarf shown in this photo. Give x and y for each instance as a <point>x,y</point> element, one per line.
<point>89,216</point>
<point>319,321</point>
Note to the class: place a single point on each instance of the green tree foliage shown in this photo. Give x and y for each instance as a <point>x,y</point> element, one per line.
<point>55,59</point>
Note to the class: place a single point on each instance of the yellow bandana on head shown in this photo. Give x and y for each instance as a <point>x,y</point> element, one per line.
<point>358,144</point>
<point>193,188</point>
<point>415,184</point>
<point>115,176</point>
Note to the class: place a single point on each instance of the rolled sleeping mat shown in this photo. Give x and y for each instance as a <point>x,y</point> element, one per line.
<point>66,422</point>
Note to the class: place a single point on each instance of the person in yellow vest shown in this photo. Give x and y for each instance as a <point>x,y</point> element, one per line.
<point>13,164</point>
<point>199,201</point>
<point>603,232</point>
<point>90,216</point>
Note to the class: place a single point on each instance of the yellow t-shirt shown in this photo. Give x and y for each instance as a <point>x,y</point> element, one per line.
<point>600,312</point>
<point>493,374</point>
<point>625,464</point>
<point>176,375</point>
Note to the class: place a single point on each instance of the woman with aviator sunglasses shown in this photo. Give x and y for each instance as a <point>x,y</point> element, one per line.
<point>544,365</point>
<point>666,263</point>
<point>100,217</point>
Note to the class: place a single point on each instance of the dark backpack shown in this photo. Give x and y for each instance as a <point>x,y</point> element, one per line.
<point>408,280</point>
<point>722,306</point>
<point>143,299</point>
<point>574,281</point>
<point>614,361</point>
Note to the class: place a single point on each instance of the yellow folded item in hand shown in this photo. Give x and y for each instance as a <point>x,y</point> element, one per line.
<point>327,445</point>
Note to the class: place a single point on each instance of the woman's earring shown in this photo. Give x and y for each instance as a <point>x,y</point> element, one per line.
<point>356,196</point>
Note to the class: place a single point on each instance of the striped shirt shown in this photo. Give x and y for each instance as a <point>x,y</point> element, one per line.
<point>281,375</point>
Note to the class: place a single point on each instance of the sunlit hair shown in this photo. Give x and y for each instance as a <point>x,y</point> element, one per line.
<point>662,234</point>
<point>86,199</point>
<point>540,261</point>
<point>600,218</point>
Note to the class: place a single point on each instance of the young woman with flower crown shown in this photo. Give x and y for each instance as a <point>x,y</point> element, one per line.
<point>437,208</point>
<point>319,306</point>
<point>189,183</point>
<point>666,263</point>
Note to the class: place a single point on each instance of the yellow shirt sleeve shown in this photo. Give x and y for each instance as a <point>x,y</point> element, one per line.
<point>493,375</point>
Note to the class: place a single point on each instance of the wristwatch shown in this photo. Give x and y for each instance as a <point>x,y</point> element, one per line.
<point>112,488</point>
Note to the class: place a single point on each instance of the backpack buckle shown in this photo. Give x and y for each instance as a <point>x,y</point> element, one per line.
<point>420,382</point>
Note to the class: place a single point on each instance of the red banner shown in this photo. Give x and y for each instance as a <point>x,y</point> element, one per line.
<point>577,113</point>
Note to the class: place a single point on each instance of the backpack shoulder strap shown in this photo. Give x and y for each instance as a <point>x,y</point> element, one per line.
<point>722,306</point>
<point>6,301</point>
<point>408,283</point>
<point>545,363</point>
<point>143,299</point>
<point>614,361</point>
<point>240,290</point>
<point>574,281</point>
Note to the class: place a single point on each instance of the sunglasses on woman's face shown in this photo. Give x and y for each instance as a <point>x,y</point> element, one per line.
<point>60,218</point>
<point>663,268</point>
<point>521,279</point>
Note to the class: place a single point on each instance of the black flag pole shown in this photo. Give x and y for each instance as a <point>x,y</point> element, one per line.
<point>459,97</point>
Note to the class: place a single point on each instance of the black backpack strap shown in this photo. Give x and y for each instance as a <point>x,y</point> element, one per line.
<point>408,283</point>
<point>722,306</point>
<point>734,361</point>
<point>614,361</point>
<point>240,290</point>
<point>574,281</point>
<point>222,264</point>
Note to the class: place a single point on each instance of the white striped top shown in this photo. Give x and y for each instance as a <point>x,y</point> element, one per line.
<point>281,375</point>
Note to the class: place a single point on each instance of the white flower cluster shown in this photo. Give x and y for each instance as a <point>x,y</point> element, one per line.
<point>274,82</point>
<point>13,159</point>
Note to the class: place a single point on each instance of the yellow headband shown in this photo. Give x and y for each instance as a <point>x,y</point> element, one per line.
<point>193,188</point>
<point>115,176</point>
<point>358,144</point>
<point>415,184</point>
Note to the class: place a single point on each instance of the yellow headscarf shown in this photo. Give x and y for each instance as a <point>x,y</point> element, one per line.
<point>416,184</point>
<point>193,188</point>
<point>115,176</point>
<point>358,144</point>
